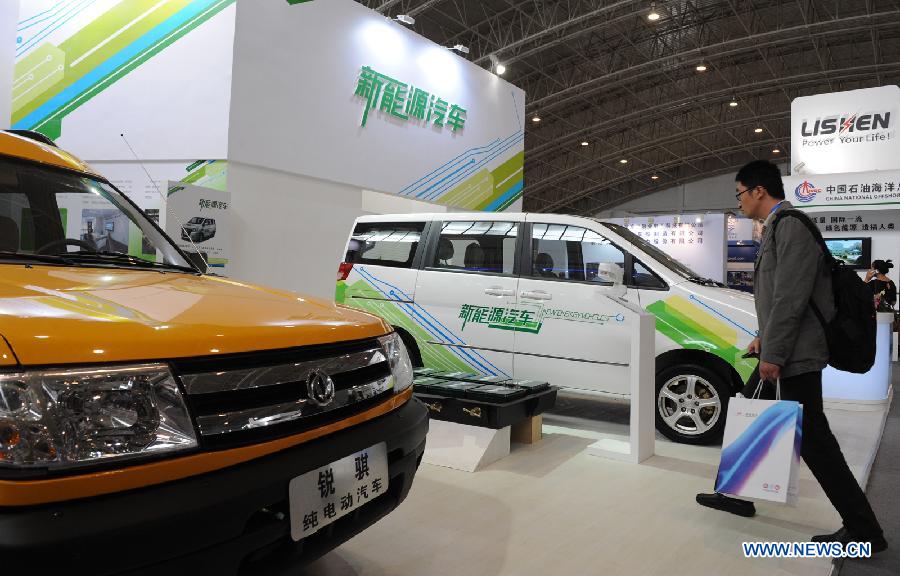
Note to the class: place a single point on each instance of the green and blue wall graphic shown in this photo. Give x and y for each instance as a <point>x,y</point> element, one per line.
<point>51,80</point>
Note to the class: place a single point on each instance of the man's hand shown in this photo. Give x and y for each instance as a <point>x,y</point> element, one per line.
<point>769,371</point>
<point>754,346</point>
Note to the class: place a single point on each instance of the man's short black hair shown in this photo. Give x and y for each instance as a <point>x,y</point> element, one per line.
<point>762,173</point>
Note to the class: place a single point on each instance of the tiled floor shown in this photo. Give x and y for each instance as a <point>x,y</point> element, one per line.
<point>550,508</point>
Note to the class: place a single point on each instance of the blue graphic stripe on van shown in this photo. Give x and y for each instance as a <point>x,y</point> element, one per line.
<point>414,312</point>
<point>509,194</point>
<point>489,149</point>
<point>418,315</point>
<point>448,182</point>
<point>720,315</point>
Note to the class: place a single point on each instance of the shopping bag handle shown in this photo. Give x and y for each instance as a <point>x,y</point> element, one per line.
<point>758,390</point>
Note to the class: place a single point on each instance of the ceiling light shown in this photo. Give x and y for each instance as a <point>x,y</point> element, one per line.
<point>699,219</point>
<point>536,119</point>
<point>461,48</point>
<point>501,69</point>
<point>406,19</point>
<point>653,16</point>
<point>776,151</point>
<point>623,161</point>
<point>654,177</point>
<point>585,143</point>
<point>701,67</point>
<point>758,130</point>
<point>733,103</point>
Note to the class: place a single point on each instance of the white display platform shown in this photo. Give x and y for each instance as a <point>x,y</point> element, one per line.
<point>869,389</point>
<point>464,447</point>
<point>642,371</point>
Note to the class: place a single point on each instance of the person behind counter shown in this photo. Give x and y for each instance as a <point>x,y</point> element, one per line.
<point>883,288</point>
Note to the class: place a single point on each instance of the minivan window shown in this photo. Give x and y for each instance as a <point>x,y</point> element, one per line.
<point>571,253</point>
<point>385,243</point>
<point>642,277</point>
<point>654,252</point>
<point>488,247</point>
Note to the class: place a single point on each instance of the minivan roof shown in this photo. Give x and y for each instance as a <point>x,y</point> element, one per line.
<point>28,149</point>
<point>427,216</point>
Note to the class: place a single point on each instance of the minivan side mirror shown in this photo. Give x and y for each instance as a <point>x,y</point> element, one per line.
<point>610,273</point>
<point>198,259</point>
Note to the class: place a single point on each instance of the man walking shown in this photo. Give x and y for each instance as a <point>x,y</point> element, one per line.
<point>791,271</point>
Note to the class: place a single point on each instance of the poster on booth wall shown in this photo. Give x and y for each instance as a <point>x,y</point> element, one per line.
<point>198,220</point>
<point>695,240</point>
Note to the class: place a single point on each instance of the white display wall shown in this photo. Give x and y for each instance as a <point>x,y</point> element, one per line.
<point>300,105</point>
<point>697,240</point>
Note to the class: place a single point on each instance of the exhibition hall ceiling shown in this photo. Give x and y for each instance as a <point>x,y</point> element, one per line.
<point>628,105</point>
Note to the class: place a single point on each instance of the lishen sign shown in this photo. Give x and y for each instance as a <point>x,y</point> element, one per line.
<point>852,131</point>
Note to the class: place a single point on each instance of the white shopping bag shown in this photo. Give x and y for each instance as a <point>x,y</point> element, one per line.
<point>761,449</point>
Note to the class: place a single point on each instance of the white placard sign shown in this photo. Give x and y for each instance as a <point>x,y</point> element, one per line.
<point>198,220</point>
<point>696,240</point>
<point>851,131</point>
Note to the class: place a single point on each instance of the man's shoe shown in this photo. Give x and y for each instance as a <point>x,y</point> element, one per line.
<point>879,544</point>
<point>727,504</point>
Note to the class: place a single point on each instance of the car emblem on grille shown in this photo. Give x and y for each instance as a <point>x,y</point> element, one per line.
<point>320,388</point>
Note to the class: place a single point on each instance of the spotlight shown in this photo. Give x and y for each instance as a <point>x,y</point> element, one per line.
<point>701,67</point>
<point>758,130</point>
<point>536,119</point>
<point>776,151</point>
<point>406,19</point>
<point>501,69</point>
<point>654,177</point>
<point>653,16</point>
<point>623,161</point>
<point>460,48</point>
<point>733,102</point>
<point>585,143</point>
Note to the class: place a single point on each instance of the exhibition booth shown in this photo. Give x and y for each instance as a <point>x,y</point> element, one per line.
<point>264,149</point>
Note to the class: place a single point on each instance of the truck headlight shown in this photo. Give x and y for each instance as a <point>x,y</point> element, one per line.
<point>398,358</point>
<point>63,418</point>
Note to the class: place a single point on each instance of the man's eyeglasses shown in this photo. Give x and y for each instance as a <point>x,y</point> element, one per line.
<point>738,195</point>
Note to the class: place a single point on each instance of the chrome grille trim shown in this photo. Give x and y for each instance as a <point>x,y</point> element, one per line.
<point>251,378</point>
<point>255,418</point>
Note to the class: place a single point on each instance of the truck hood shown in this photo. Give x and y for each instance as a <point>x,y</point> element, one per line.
<point>55,315</point>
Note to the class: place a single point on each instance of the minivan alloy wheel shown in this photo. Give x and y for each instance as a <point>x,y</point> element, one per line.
<point>689,404</point>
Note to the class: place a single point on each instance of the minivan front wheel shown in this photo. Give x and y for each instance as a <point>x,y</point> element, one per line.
<point>690,404</point>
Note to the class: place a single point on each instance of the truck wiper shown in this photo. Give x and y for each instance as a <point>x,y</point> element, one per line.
<point>123,258</point>
<point>42,258</point>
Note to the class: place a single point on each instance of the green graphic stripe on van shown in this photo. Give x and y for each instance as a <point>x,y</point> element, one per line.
<point>698,330</point>
<point>366,298</point>
<point>431,326</point>
<point>107,49</point>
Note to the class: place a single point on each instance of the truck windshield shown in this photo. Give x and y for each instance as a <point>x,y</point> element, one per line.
<point>50,215</point>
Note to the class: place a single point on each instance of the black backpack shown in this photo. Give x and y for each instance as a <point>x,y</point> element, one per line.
<point>851,333</point>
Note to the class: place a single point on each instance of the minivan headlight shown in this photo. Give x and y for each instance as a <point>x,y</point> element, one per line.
<point>398,358</point>
<point>63,418</point>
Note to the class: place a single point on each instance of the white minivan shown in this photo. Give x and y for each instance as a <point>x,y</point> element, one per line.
<point>536,296</point>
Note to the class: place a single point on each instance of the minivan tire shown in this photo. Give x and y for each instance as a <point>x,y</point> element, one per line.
<point>690,404</point>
